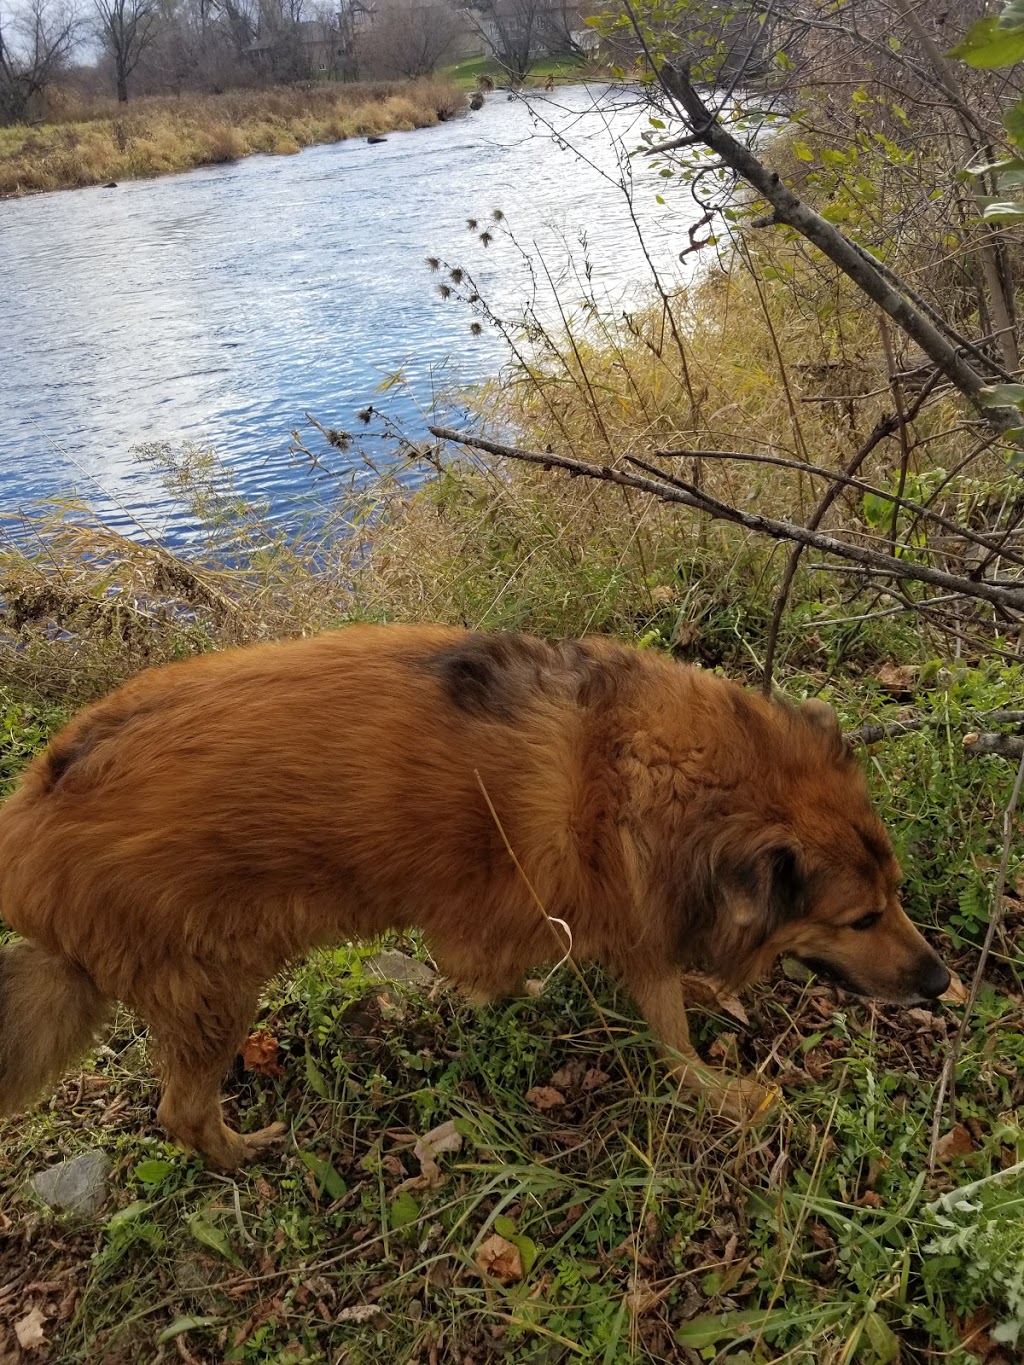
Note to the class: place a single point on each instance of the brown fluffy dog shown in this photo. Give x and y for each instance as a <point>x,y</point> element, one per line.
<point>180,842</point>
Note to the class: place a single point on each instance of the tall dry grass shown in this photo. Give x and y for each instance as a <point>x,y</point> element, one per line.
<point>102,141</point>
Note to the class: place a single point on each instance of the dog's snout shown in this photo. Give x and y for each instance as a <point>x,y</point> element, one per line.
<point>933,979</point>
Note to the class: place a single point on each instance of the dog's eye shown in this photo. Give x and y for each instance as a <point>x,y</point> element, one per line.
<point>866,921</point>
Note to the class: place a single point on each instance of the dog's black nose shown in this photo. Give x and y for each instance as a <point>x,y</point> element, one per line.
<point>933,980</point>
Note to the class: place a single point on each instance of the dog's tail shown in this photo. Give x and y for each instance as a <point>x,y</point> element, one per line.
<point>50,1011</point>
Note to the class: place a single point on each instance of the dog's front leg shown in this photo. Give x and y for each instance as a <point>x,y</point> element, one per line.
<point>737,1097</point>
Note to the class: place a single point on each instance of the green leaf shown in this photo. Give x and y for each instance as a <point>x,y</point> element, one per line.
<point>1013,121</point>
<point>314,1077</point>
<point>152,1172</point>
<point>503,1226</point>
<point>876,509</point>
<point>403,1211</point>
<point>328,1179</point>
<point>185,1324</point>
<point>133,1210</point>
<point>655,122</point>
<point>712,1328</point>
<point>987,45</point>
<point>1001,395</point>
<point>528,1251</point>
<point>212,1237</point>
<point>883,1342</point>
<point>802,151</point>
<point>1006,211</point>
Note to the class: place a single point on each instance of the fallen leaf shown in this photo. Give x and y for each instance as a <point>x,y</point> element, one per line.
<point>594,1078</point>
<point>567,1077</point>
<point>500,1258</point>
<point>643,1298</point>
<point>710,994</point>
<point>898,679</point>
<point>544,1097</point>
<point>956,993</point>
<point>444,1138</point>
<point>869,1200</point>
<point>358,1312</point>
<point>260,1053</point>
<point>29,1330</point>
<point>724,1049</point>
<point>957,1142</point>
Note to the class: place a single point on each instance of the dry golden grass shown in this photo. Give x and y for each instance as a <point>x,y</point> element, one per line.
<point>103,141</point>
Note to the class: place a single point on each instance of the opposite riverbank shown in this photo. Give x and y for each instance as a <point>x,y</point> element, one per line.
<point>160,136</point>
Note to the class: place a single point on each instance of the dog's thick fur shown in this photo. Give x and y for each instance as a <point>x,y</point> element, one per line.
<point>181,841</point>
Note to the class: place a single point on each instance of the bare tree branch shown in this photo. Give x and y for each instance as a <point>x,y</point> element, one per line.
<point>851,259</point>
<point>1005,594</point>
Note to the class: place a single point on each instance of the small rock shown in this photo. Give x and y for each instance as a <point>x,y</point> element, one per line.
<point>373,140</point>
<point>78,1186</point>
<point>110,185</point>
<point>395,966</point>
<point>476,101</point>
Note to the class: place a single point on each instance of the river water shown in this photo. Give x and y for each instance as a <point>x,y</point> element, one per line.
<point>221,305</point>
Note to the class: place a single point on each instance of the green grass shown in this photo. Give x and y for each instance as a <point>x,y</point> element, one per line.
<point>465,73</point>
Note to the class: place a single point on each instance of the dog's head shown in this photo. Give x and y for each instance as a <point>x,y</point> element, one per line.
<point>805,867</point>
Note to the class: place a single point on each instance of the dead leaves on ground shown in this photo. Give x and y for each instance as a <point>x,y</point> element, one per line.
<point>260,1053</point>
<point>444,1138</point>
<point>30,1330</point>
<point>500,1258</point>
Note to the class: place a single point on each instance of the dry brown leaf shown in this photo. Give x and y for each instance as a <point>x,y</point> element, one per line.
<point>898,679</point>
<point>869,1200</point>
<point>260,1052</point>
<point>29,1330</point>
<point>358,1312</point>
<point>544,1097</point>
<point>710,994</point>
<point>500,1258</point>
<point>568,1077</point>
<point>957,1142</point>
<point>594,1078</point>
<point>956,993</point>
<point>724,1048</point>
<point>643,1298</point>
<point>444,1138</point>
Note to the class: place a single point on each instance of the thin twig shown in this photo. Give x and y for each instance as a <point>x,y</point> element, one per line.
<point>994,921</point>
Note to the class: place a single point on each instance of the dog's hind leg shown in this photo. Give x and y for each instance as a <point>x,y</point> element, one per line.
<point>196,1041</point>
<point>736,1097</point>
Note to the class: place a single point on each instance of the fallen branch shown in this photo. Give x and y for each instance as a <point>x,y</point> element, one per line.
<point>1009,595</point>
<point>1006,746</point>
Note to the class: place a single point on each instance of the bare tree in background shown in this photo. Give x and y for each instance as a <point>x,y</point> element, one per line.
<point>126,28</point>
<point>34,50</point>
<point>410,42</point>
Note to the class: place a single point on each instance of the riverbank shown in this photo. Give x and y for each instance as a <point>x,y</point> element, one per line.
<point>159,136</point>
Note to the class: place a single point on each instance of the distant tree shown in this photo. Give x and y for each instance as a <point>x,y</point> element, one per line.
<point>406,41</point>
<point>34,49</point>
<point>516,32</point>
<point>126,28</point>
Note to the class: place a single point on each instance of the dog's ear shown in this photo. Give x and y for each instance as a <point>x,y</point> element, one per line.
<point>766,888</point>
<point>748,882</point>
